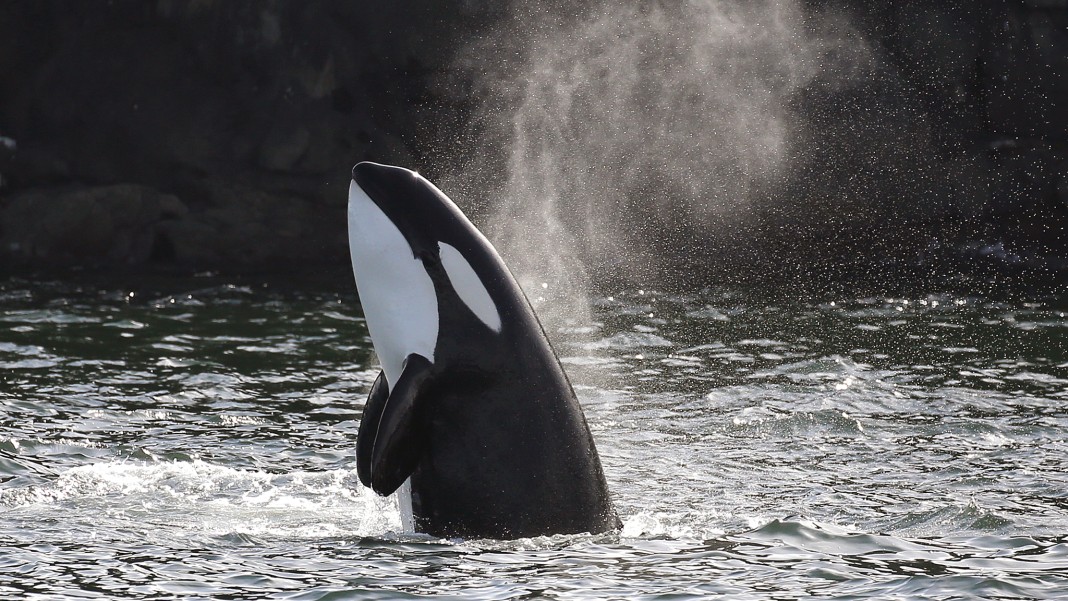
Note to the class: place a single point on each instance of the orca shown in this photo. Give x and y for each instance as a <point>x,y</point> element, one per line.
<point>472,416</point>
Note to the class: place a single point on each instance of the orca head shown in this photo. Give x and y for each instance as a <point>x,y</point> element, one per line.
<point>401,226</point>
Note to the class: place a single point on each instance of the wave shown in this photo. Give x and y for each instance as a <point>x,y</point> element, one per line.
<point>204,498</point>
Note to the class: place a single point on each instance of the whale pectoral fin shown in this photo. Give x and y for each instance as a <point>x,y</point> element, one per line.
<point>401,436</point>
<point>372,415</point>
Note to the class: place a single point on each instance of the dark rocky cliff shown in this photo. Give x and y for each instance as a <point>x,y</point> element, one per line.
<point>219,135</point>
<point>203,134</point>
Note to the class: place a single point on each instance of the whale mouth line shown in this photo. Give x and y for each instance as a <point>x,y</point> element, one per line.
<point>386,268</point>
<point>363,177</point>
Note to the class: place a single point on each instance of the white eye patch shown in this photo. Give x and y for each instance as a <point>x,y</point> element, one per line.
<point>469,286</point>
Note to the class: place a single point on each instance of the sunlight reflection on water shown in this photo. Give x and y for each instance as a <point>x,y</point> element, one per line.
<point>754,449</point>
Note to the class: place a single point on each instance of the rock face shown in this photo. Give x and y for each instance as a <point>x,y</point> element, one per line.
<point>73,225</point>
<point>247,115</point>
<point>217,134</point>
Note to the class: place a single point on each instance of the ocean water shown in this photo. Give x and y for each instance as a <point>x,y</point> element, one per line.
<point>198,443</point>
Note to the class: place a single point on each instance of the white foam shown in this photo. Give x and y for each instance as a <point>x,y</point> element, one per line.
<point>196,497</point>
<point>685,525</point>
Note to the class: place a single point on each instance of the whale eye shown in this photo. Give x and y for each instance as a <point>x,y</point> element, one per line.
<point>469,286</point>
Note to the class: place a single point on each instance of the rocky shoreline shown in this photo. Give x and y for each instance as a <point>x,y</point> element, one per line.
<point>183,137</point>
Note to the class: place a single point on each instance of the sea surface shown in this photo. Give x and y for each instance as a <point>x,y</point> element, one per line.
<point>196,441</point>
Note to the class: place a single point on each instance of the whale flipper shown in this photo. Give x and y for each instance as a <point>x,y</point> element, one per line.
<point>399,440</point>
<point>372,414</point>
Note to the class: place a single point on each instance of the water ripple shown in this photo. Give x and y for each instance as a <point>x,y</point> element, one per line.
<point>200,444</point>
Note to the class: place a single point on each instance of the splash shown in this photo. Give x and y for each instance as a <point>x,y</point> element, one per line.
<point>639,131</point>
<point>200,497</point>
